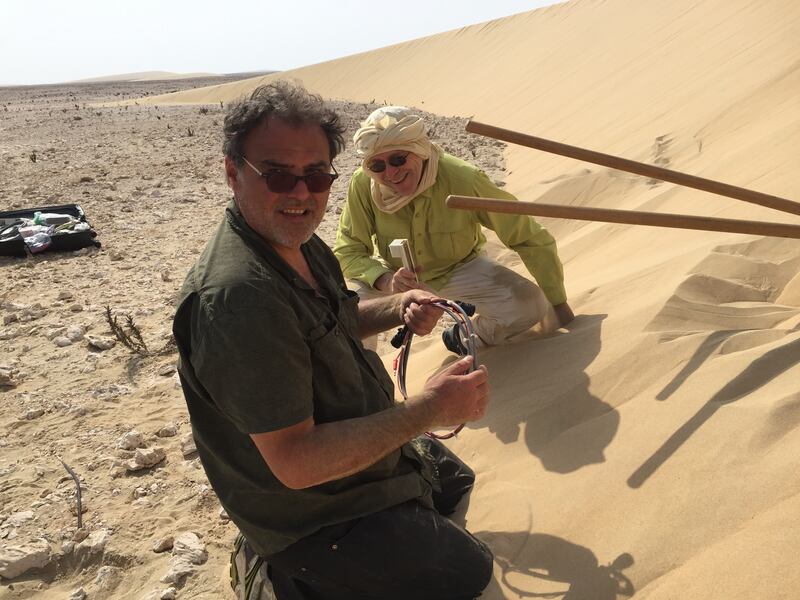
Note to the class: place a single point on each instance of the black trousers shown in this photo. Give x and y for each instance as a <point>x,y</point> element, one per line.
<point>405,552</point>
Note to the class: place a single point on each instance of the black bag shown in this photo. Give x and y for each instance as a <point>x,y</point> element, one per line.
<point>12,242</point>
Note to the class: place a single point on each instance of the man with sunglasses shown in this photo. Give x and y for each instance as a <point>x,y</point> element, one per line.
<point>399,193</point>
<point>336,493</point>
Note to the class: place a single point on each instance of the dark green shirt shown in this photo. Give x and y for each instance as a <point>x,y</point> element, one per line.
<point>261,350</point>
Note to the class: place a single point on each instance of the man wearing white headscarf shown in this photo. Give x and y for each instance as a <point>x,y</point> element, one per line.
<point>399,192</point>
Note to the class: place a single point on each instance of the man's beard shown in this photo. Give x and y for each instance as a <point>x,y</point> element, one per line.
<point>293,237</point>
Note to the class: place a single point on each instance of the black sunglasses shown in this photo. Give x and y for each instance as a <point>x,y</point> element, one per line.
<point>280,182</point>
<point>395,160</point>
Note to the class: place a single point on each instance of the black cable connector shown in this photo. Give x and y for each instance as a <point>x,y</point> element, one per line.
<point>400,335</point>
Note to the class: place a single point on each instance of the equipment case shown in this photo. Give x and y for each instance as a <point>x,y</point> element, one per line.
<point>13,244</point>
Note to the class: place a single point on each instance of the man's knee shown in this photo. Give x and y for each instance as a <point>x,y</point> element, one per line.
<point>530,303</point>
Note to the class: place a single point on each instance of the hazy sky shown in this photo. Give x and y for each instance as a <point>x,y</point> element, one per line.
<point>49,41</point>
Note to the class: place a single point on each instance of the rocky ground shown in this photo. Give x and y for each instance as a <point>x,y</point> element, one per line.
<point>150,181</point>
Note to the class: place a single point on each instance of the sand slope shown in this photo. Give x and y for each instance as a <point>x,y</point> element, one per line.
<point>650,448</point>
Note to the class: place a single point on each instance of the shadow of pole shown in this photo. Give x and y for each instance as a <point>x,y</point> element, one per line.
<point>757,374</point>
<point>709,345</point>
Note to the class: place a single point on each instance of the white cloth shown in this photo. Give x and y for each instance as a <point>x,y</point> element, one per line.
<point>395,128</point>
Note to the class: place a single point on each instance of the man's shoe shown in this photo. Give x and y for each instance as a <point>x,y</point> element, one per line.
<point>452,341</point>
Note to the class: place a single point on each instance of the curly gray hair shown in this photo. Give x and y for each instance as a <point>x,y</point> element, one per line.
<point>287,101</point>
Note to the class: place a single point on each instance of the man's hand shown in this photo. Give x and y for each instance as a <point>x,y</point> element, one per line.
<point>564,313</point>
<point>400,281</point>
<point>417,311</point>
<point>308,453</point>
<point>454,396</point>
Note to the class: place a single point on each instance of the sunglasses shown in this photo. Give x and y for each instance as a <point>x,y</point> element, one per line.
<point>280,182</point>
<point>395,160</point>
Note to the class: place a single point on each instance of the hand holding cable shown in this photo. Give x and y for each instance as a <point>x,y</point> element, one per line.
<point>473,395</point>
<point>455,396</point>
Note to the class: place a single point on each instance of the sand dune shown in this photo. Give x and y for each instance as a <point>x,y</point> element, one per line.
<point>649,449</point>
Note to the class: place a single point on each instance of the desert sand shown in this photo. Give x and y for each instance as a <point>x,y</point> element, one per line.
<point>648,449</point>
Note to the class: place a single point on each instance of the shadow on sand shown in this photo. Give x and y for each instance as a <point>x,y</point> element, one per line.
<point>556,402</point>
<point>757,374</point>
<point>537,565</point>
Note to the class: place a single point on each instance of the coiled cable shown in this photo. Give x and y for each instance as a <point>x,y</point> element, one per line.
<point>460,312</point>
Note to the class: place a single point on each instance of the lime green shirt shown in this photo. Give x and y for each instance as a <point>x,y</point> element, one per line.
<point>441,238</point>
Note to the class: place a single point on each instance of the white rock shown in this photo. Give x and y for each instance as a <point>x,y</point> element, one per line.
<point>33,413</point>
<point>169,594</point>
<point>179,569</point>
<point>95,543</point>
<point>145,458</point>
<point>79,594</point>
<point>131,440</point>
<point>107,578</point>
<point>168,430</point>
<point>16,560</point>
<point>9,334</point>
<point>62,341</point>
<point>55,331</point>
<point>100,342</point>
<point>34,312</point>
<point>188,447</point>
<point>187,545</point>
<point>111,392</point>
<point>18,518</point>
<point>75,333</point>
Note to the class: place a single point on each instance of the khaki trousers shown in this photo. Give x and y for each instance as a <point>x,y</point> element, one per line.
<point>506,302</point>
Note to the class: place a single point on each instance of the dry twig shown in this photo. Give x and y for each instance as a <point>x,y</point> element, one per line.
<point>130,338</point>
<point>77,492</point>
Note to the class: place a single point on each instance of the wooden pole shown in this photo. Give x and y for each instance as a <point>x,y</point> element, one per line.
<point>631,217</point>
<point>630,166</point>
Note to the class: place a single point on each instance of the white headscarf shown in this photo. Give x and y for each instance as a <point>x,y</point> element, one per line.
<point>396,128</point>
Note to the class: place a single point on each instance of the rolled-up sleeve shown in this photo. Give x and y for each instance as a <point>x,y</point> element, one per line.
<point>522,234</point>
<point>354,247</point>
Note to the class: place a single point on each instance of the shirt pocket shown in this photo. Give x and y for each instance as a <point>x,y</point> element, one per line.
<point>452,238</point>
<point>348,310</point>
<point>336,377</point>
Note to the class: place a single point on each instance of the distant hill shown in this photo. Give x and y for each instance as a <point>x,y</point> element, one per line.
<point>144,76</point>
